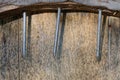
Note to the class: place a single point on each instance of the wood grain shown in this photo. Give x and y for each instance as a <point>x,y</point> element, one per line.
<point>110,7</point>
<point>77,47</point>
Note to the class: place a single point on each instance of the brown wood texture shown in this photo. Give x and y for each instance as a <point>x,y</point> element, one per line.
<point>109,7</point>
<point>77,47</point>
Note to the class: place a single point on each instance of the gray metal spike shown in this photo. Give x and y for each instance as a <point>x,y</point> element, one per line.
<point>57,32</point>
<point>98,54</point>
<point>24,34</point>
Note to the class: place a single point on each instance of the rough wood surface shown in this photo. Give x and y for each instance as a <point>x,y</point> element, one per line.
<point>77,48</point>
<point>109,7</point>
<point>110,4</point>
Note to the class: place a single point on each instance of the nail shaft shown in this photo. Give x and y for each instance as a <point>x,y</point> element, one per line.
<point>57,32</point>
<point>98,55</point>
<point>24,34</point>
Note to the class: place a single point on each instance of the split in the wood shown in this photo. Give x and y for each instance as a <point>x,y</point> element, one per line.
<point>11,10</point>
<point>109,41</point>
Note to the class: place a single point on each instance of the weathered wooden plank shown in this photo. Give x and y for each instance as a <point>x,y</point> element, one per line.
<point>9,49</point>
<point>27,2</point>
<point>110,7</point>
<point>77,48</point>
<point>110,4</point>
